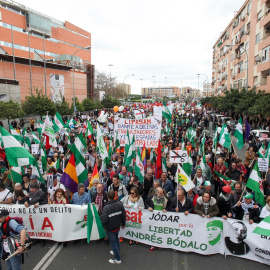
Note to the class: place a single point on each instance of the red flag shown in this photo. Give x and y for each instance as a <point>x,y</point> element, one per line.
<point>158,162</point>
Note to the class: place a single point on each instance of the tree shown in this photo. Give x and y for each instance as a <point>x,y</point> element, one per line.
<point>79,106</point>
<point>109,102</point>
<point>63,107</point>
<point>10,110</point>
<point>38,104</point>
<point>89,104</point>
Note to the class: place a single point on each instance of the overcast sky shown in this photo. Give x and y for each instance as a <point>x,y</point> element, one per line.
<point>161,38</point>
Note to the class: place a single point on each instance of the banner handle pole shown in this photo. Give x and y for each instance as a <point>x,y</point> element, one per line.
<point>242,194</point>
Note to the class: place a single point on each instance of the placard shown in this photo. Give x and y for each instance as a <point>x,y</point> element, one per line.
<point>263,164</point>
<point>34,149</point>
<point>178,156</point>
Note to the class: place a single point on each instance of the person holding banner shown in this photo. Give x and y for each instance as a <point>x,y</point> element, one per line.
<point>181,204</point>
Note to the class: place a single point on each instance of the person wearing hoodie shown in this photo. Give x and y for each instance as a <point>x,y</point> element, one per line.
<point>206,206</point>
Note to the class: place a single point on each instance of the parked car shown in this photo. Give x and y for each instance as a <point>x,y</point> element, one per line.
<point>260,133</point>
<point>231,125</point>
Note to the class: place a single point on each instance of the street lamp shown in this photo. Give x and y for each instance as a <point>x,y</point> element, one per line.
<point>207,82</point>
<point>124,84</point>
<point>231,45</point>
<point>85,48</point>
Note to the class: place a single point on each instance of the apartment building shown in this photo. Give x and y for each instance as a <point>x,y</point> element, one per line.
<point>37,51</point>
<point>161,91</point>
<point>241,53</point>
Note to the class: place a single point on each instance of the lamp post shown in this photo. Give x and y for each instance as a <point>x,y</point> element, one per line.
<point>231,45</point>
<point>207,82</point>
<point>124,84</point>
<point>86,48</point>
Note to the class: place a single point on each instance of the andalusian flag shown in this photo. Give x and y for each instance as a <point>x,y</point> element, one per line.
<point>101,145</point>
<point>81,171</point>
<point>43,160</point>
<point>183,179</point>
<point>262,151</point>
<point>152,155</point>
<point>225,180</point>
<point>58,122</point>
<point>263,228</point>
<point>16,154</point>
<point>16,174</point>
<point>166,113</point>
<point>130,155</point>
<point>39,127</point>
<point>203,165</point>
<point>35,138</point>
<point>225,139</point>
<point>48,131</point>
<point>27,143</point>
<point>187,167</point>
<point>164,165</point>
<point>117,142</point>
<point>95,228</point>
<point>16,134</point>
<point>89,130</point>
<point>239,134</point>
<point>78,148</point>
<point>35,170</point>
<point>139,167</point>
<point>255,183</point>
<point>215,141</point>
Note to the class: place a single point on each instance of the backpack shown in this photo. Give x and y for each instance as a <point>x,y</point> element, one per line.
<point>6,228</point>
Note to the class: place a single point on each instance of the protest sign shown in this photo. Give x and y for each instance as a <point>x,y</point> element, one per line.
<point>192,233</point>
<point>178,156</point>
<point>146,131</point>
<point>158,111</point>
<point>139,114</point>
<point>105,130</point>
<point>263,164</point>
<point>34,149</point>
<point>57,222</point>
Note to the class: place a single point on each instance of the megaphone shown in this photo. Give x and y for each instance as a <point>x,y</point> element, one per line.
<point>3,97</point>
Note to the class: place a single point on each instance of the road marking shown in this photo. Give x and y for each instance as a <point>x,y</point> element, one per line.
<point>48,254</point>
<point>44,267</point>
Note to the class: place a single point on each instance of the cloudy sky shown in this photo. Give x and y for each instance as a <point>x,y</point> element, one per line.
<point>161,38</point>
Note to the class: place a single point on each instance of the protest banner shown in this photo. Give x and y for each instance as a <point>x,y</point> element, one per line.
<point>178,156</point>
<point>263,164</point>
<point>146,130</point>
<point>34,149</point>
<point>139,114</point>
<point>192,233</point>
<point>57,222</point>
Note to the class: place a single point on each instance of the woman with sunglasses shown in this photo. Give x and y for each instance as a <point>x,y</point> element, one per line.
<point>134,200</point>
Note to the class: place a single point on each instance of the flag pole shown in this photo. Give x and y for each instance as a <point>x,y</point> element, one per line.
<point>242,194</point>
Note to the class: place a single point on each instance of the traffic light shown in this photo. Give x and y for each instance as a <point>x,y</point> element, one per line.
<point>188,90</point>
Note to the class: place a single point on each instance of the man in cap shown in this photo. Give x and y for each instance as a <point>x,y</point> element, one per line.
<point>10,227</point>
<point>214,229</point>
<point>224,204</point>
<point>34,179</point>
<point>247,210</point>
<point>36,196</point>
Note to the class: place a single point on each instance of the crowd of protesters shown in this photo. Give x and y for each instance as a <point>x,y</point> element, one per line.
<point>210,197</point>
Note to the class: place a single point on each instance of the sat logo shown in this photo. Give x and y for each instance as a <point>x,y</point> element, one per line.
<point>134,219</point>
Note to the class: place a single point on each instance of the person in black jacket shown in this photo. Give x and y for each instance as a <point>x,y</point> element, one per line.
<point>100,198</point>
<point>224,203</point>
<point>114,216</point>
<point>135,183</point>
<point>36,196</point>
<point>247,210</point>
<point>184,204</point>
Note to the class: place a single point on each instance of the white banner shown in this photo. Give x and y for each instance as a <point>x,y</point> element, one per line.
<point>34,149</point>
<point>56,222</point>
<point>158,111</point>
<point>263,164</point>
<point>146,130</point>
<point>192,233</point>
<point>139,114</point>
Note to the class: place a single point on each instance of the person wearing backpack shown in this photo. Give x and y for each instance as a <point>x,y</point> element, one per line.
<point>10,227</point>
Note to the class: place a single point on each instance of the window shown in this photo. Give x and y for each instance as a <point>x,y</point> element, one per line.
<point>259,16</point>
<point>249,8</point>
<point>242,48</point>
<point>235,69</point>
<point>265,54</point>
<point>242,31</point>
<point>246,64</point>
<point>257,38</point>
<point>240,84</point>
<point>247,45</point>
<point>248,26</point>
<point>255,80</point>
<point>240,66</point>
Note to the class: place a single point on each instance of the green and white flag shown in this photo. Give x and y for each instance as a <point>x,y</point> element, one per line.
<point>183,179</point>
<point>58,122</point>
<point>191,134</point>
<point>16,154</point>
<point>187,167</point>
<point>101,144</point>
<point>35,138</point>
<point>203,165</point>
<point>152,155</point>
<point>89,130</point>
<point>95,229</point>
<point>127,143</point>
<point>215,141</point>
<point>81,171</point>
<point>78,148</point>
<point>36,171</point>
<point>139,168</point>
<point>239,134</point>
<point>164,165</point>
<point>110,152</point>
<point>117,142</point>
<point>262,151</point>
<point>263,228</point>
<point>130,156</point>
<point>43,160</point>
<point>225,139</point>
<point>48,131</point>
<point>255,183</point>
<point>16,174</point>
<point>202,146</point>
<point>16,134</point>
<point>39,127</point>
<point>166,113</point>
<point>27,143</point>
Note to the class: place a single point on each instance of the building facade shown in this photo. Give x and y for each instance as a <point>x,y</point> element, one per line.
<point>241,53</point>
<point>161,91</point>
<point>37,51</point>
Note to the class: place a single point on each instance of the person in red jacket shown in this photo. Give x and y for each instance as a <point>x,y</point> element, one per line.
<point>193,197</point>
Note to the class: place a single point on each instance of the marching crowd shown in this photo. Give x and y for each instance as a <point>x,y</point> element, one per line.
<point>210,197</point>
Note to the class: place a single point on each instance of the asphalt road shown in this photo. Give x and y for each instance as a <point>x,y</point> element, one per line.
<point>96,255</point>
